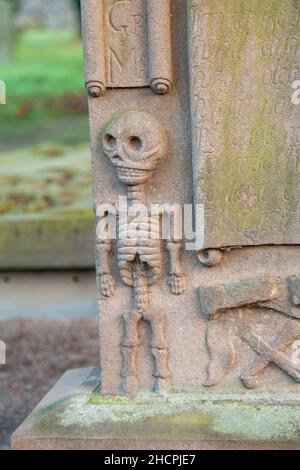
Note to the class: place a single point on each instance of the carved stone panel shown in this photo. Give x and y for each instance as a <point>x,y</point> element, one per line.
<point>244,59</point>
<point>132,128</point>
<point>234,321</point>
<point>126,43</point>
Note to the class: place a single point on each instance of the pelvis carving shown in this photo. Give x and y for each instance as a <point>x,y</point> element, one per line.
<point>225,308</point>
<point>135,143</point>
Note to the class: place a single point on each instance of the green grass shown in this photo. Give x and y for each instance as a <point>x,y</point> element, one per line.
<point>45,89</point>
<point>46,63</point>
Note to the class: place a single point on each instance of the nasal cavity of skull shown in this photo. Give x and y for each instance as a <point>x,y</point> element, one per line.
<point>135,142</point>
<point>110,141</point>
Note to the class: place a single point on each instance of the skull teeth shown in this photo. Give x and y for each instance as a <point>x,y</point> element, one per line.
<point>130,172</point>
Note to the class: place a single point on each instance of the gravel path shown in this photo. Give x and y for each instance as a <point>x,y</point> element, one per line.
<point>38,353</point>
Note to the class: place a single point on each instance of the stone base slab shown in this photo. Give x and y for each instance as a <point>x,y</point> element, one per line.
<point>74,415</point>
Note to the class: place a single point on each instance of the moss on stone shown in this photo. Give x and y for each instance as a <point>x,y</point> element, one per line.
<point>243,181</point>
<point>177,416</point>
<point>97,399</point>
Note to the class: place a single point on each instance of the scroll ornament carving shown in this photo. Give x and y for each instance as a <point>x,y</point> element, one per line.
<point>140,28</point>
<point>211,257</point>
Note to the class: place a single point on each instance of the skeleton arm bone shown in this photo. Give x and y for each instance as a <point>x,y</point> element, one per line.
<point>176,279</point>
<point>105,280</point>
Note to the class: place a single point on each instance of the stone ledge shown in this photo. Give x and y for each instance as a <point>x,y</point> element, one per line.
<point>75,416</point>
<point>62,242</point>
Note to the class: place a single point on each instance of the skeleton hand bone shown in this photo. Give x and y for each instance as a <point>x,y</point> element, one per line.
<point>106,285</point>
<point>177,283</point>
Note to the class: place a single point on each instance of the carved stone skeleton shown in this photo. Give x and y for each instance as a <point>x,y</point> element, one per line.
<point>135,143</point>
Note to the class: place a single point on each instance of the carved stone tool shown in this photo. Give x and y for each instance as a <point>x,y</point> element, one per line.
<point>268,353</point>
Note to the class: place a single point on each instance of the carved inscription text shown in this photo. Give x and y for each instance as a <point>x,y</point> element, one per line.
<point>244,58</point>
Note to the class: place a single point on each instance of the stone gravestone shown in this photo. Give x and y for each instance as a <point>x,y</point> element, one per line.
<point>190,103</point>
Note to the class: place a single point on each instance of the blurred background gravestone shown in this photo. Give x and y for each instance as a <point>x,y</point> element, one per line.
<point>45,192</point>
<point>47,284</point>
<point>54,14</point>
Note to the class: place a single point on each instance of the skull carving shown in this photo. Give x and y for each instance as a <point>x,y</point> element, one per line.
<point>135,143</point>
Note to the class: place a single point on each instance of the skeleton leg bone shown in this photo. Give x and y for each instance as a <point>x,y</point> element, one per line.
<point>130,340</point>
<point>161,372</point>
<point>159,350</point>
<point>129,351</point>
<point>130,380</point>
<point>131,321</point>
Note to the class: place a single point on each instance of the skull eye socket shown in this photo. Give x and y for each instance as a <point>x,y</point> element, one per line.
<point>110,141</point>
<point>135,142</point>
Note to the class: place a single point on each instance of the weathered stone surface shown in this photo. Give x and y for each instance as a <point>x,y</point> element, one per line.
<point>75,416</point>
<point>133,48</point>
<point>278,294</point>
<point>185,322</point>
<point>294,288</point>
<point>126,43</point>
<point>244,57</point>
<point>244,293</point>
